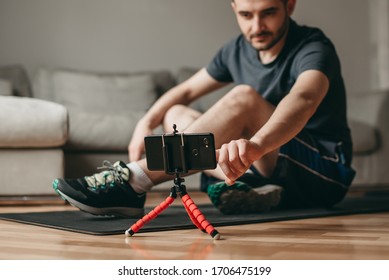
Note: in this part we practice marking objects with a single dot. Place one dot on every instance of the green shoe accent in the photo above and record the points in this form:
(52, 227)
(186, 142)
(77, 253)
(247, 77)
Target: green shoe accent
(240, 198)
(55, 187)
(216, 190)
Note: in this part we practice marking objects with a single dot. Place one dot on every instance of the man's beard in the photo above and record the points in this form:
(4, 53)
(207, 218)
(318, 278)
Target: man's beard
(279, 35)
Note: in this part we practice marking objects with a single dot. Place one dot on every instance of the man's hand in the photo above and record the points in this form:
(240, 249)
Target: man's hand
(137, 145)
(236, 157)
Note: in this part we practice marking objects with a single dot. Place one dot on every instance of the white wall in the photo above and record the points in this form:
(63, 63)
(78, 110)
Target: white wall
(117, 35)
(379, 43)
(346, 22)
(114, 34)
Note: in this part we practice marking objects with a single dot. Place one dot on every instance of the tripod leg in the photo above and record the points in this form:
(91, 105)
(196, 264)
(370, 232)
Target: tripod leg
(149, 216)
(192, 207)
(193, 219)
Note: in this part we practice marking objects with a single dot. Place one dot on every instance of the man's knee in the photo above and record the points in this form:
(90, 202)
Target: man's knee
(180, 115)
(242, 97)
(175, 111)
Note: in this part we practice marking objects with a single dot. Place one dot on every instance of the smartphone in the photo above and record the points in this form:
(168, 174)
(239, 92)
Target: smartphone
(180, 153)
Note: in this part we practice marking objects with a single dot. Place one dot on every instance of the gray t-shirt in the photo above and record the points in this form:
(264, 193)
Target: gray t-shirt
(306, 48)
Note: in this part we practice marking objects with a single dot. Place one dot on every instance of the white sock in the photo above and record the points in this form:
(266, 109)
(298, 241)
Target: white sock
(139, 180)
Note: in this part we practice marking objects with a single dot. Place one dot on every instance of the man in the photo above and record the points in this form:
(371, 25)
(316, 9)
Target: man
(282, 132)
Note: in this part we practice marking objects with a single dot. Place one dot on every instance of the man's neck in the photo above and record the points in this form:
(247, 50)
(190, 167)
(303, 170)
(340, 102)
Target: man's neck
(270, 55)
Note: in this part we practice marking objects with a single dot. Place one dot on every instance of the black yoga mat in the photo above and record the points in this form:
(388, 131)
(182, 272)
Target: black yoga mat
(175, 217)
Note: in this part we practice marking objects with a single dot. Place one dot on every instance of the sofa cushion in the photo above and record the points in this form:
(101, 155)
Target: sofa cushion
(365, 137)
(27, 122)
(104, 94)
(5, 88)
(205, 102)
(90, 131)
(44, 89)
(103, 107)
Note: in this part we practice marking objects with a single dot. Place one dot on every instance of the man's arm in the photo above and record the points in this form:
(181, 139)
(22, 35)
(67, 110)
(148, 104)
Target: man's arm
(198, 85)
(288, 119)
(294, 111)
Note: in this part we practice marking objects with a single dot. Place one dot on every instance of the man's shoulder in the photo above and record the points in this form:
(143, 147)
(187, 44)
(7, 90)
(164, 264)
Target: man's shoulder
(235, 43)
(308, 35)
(236, 47)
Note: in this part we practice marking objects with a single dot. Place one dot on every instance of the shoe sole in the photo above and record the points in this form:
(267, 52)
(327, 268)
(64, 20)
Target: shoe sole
(255, 200)
(123, 212)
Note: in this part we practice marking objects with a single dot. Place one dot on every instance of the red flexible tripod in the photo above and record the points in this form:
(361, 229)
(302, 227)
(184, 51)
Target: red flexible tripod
(194, 213)
(191, 208)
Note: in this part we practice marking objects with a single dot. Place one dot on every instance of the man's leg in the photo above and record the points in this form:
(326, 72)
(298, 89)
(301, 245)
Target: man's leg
(239, 114)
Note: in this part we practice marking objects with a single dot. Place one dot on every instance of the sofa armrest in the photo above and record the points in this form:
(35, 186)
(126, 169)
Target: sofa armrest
(32, 123)
(371, 109)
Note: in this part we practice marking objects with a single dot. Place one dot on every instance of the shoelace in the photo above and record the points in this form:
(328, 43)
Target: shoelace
(113, 173)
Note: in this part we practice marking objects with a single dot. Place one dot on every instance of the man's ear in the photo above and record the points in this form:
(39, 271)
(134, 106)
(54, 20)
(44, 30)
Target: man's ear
(233, 5)
(290, 5)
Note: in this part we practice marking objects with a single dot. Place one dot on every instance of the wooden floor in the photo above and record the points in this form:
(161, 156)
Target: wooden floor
(345, 237)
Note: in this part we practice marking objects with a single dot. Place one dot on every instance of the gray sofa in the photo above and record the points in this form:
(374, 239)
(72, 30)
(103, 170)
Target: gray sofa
(69, 121)
(369, 122)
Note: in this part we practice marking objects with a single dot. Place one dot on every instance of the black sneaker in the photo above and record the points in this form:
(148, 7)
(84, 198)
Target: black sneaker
(104, 193)
(240, 198)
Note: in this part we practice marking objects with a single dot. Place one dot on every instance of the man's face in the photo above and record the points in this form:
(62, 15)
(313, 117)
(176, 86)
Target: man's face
(263, 22)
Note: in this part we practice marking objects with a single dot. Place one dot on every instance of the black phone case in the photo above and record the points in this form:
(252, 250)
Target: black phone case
(196, 153)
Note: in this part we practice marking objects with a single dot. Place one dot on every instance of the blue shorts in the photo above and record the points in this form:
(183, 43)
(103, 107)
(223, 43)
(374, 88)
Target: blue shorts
(313, 173)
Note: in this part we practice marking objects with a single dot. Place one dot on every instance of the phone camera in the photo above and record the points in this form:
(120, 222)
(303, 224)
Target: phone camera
(195, 152)
(206, 142)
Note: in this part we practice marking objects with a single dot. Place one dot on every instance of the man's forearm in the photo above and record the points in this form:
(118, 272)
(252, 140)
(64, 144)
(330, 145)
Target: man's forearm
(293, 112)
